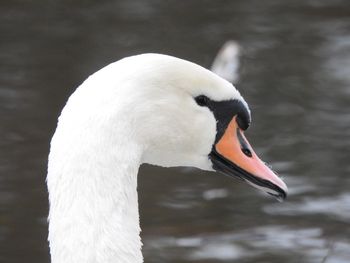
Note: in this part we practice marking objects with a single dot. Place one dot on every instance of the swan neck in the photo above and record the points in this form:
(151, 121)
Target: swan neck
(94, 213)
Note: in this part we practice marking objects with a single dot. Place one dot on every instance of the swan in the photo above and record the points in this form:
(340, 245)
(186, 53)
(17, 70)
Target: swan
(148, 108)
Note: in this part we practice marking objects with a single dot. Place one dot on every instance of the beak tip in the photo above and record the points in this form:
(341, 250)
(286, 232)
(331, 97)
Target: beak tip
(281, 195)
(284, 191)
(281, 189)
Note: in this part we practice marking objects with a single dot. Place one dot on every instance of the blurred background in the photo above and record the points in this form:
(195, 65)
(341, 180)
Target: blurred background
(295, 74)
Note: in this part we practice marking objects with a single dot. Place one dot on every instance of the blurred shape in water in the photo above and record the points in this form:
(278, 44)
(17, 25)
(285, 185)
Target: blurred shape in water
(337, 207)
(226, 62)
(254, 243)
(215, 194)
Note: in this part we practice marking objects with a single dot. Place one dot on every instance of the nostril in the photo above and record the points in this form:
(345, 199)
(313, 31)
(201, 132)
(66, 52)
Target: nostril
(247, 152)
(244, 145)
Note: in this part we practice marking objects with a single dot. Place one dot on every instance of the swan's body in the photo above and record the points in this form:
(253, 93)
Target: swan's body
(138, 110)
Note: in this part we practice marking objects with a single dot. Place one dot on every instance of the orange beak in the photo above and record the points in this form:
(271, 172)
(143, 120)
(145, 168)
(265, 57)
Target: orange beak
(234, 156)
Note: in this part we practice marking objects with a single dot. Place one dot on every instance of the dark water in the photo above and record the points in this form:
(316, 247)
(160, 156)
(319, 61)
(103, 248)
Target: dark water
(295, 75)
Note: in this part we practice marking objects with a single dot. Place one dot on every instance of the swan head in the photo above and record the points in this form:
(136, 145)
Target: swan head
(176, 113)
(185, 115)
(148, 108)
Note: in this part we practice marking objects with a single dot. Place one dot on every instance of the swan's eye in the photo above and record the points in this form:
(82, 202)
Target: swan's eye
(202, 100)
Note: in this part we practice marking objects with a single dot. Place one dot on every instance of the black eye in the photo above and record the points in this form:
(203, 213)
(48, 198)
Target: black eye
(202, 100)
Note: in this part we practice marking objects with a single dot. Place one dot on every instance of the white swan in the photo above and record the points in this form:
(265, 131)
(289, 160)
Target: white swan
(152, 109)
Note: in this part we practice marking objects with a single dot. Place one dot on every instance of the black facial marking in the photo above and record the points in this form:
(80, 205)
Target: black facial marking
(224, 111)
